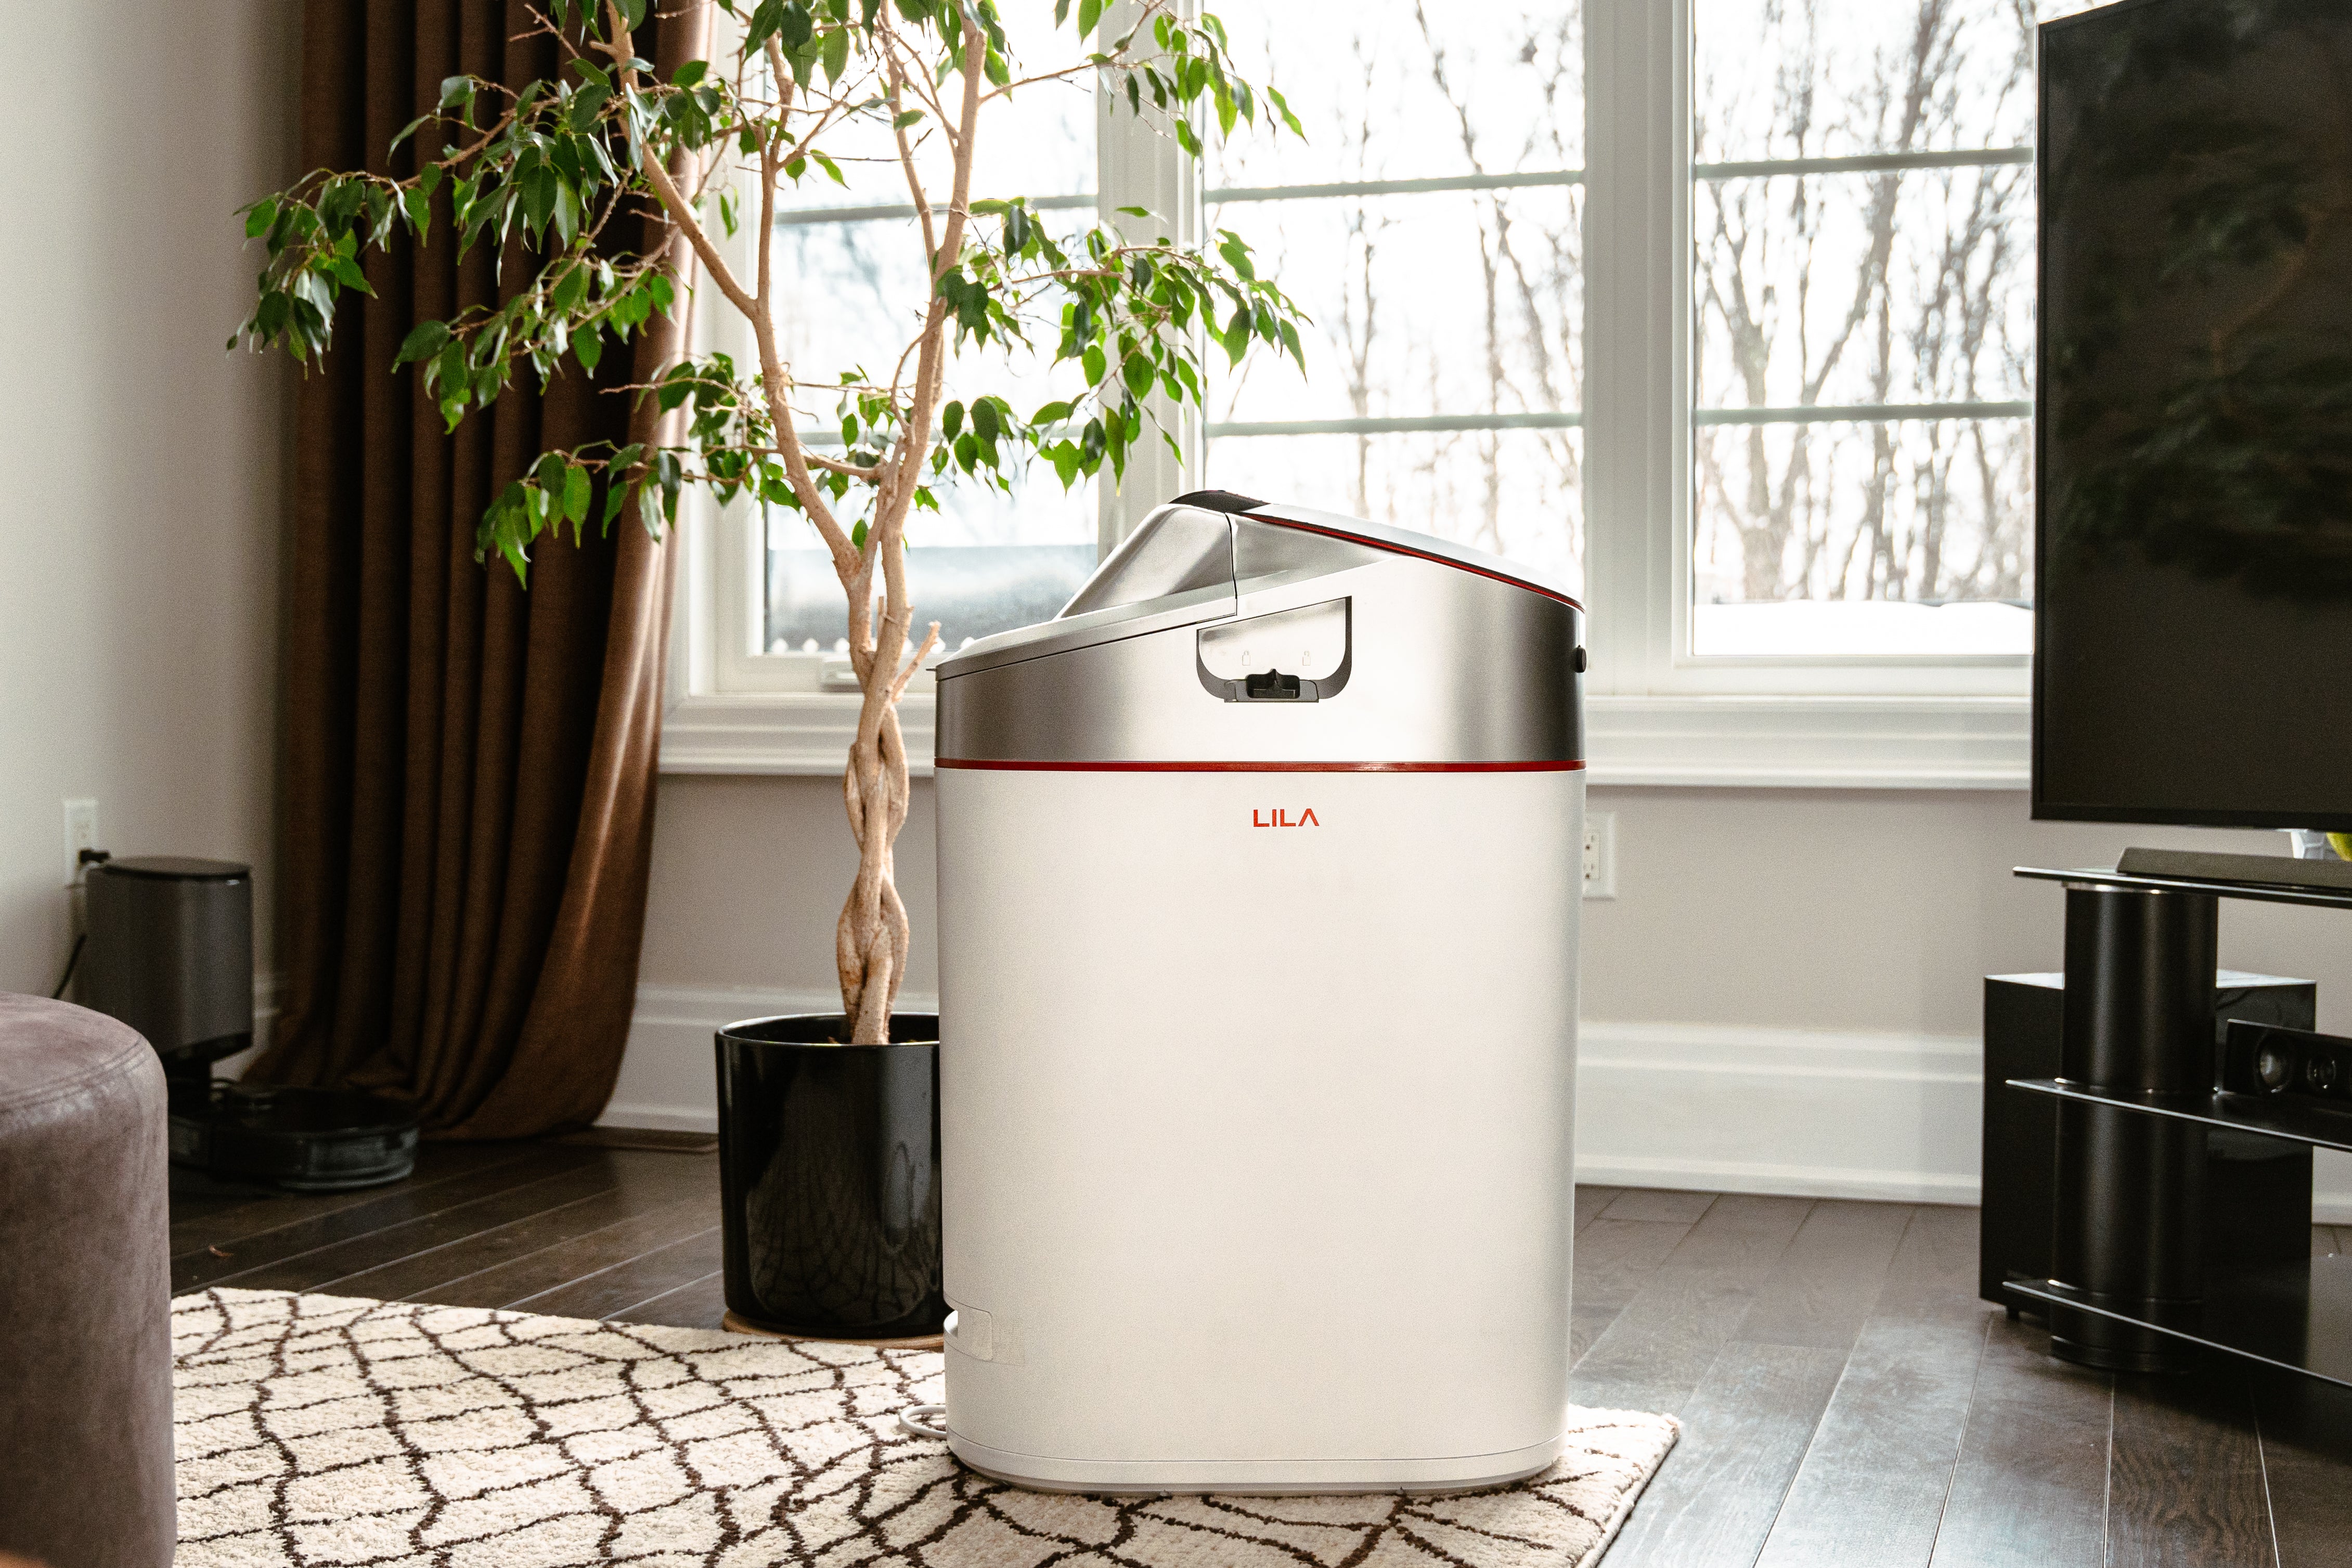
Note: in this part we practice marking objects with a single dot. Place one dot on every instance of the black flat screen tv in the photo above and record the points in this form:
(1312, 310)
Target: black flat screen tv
(2194, 527)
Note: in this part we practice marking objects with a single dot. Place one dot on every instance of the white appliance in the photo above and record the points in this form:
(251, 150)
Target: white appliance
(1259, 871)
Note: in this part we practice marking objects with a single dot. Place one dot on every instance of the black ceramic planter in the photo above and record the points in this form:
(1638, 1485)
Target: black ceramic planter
(829, 1161)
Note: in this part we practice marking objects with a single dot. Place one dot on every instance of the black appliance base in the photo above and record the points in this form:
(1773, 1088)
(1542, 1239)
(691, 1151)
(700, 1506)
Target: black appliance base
(306, 1140)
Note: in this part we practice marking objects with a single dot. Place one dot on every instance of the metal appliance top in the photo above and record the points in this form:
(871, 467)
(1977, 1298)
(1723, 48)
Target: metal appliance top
(1219, 637)
(1188, 562)
(1427, 547)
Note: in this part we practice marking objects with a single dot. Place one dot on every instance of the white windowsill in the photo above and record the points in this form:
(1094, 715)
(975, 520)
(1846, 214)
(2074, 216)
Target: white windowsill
(1721, 742)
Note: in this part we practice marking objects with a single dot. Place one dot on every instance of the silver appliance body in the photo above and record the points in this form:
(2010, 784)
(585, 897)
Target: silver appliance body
(1258, 889)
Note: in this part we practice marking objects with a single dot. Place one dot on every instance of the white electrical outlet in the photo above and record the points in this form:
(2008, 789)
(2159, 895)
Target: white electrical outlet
(1601, 854)
(81, 833)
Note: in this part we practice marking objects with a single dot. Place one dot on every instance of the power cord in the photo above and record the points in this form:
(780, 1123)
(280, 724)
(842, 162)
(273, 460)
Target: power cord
(71, 959)
(915, 1420)
(87, 857)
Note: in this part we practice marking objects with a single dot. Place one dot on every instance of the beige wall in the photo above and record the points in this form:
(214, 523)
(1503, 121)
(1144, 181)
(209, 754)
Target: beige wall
(139, 557)
(1784, 997)
(1774, 908)
(1881, 911)
(748, 877)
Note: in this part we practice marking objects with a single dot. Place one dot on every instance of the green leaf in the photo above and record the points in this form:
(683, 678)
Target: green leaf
(1090, 12)
(588, 346)
(836, 54)
(1137, 371)
(260, 216)
(690, 73)
(424, 340)
(951, 420)
(983, 420)
(589, 99)
(571, 289)
(1237, 336)
(898, 121)
(575, 495)
(764, 22)
(1095, 364)
(1051, 413)
(857, 535)
(1236, 256)
(1288, 119)
(456, 90)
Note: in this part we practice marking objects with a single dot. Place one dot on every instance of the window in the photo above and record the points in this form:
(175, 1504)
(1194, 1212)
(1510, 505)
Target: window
(1862, 326)
(1739, 338)
(1432, 224)
(850, 257)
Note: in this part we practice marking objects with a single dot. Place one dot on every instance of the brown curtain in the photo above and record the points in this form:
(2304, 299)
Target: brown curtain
(470, 768)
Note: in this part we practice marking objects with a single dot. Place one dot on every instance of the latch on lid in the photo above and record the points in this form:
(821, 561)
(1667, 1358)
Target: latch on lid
(1291, 655)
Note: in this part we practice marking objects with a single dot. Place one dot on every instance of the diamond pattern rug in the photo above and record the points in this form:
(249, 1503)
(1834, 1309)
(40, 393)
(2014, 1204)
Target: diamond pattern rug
(332, 1430)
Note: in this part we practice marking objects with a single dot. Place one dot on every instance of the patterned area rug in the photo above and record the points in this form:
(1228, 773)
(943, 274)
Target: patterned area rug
(325, 1430)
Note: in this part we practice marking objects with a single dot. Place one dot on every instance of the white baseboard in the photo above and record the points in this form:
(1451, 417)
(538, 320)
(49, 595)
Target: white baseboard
(1780, 1179)
(1700, 1107)
(669, 1076)
(1812, 1113)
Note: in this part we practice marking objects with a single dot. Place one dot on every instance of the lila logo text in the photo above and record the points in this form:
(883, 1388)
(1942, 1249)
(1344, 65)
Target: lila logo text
(1281, 818)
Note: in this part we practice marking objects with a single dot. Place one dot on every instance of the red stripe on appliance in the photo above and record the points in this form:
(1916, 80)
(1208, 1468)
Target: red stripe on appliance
(1024, 767)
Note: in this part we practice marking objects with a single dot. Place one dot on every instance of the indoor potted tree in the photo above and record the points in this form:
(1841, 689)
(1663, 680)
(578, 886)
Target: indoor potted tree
(540, 170)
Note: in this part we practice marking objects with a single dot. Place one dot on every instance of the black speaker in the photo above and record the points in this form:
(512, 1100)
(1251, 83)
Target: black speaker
(2288, 1063)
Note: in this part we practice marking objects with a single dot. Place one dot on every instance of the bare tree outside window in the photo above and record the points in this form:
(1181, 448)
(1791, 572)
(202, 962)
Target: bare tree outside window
(1447, 353)
(987, 559)
(1862, 329)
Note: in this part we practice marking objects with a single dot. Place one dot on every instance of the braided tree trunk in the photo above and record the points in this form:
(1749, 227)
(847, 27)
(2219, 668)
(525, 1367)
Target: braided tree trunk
(870, 938)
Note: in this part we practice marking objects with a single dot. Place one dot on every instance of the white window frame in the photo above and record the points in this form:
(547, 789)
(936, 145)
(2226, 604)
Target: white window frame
(1657, 714)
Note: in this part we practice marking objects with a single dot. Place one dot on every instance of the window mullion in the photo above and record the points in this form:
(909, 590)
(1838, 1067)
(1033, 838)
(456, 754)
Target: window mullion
(1637, 335)
(1138, 164)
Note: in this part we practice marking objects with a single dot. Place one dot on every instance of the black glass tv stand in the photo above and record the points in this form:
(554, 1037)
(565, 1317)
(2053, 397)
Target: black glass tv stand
(2137, 1282)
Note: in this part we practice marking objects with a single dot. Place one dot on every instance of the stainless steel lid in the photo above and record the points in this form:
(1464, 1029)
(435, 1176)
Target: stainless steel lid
(1226, 631)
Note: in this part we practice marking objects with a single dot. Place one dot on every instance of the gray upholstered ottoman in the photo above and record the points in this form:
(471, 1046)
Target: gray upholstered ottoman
(85, 1291)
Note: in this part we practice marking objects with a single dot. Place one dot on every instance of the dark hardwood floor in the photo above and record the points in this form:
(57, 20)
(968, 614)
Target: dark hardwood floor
(1845, 1399)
